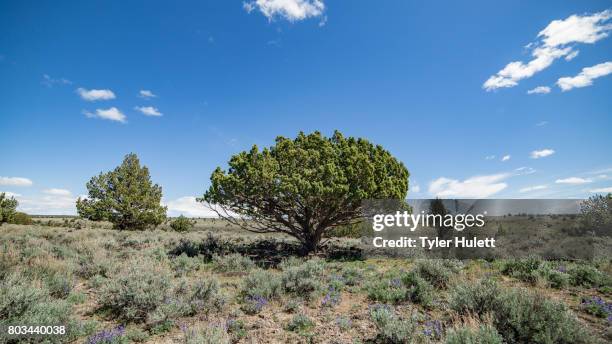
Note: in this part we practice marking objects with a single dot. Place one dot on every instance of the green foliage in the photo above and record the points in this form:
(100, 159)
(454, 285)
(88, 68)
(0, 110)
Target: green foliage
(303, 280)
(8, 208)
(21, 219)
(182, 224)
(234, 262)
(390, 328)
(135, 292)
(587, 276)
(519, 316)
(596, 214)
(523, 269)
(398, 287)
(125, 196)
(206, 335)
(306, 186)
(436, 272)
(467, 335)
(300, 323)
(475, 298)
(261, 283)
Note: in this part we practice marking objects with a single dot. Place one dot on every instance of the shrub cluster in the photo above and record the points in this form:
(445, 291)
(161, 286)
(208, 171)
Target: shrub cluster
(182, 224)
(233, 262)
(390, 328)
(480, 335)
(519, 315)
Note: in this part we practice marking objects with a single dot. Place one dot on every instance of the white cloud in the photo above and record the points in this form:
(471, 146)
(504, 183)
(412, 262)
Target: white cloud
(573, 181)
(48, 205)
(601, 190)
(489, 157)
(552, 45)
(9, 194)
(291, 10)
(537, 154)
(539, 90)
(505, 158)
(15, 181)
(57, 192)
(190, 207)
(541, 124)
(586, 76)
(533, 188)
(474, 187)
(146, 94)
(112, 114)
(50, 82)
(572, 55)
(149, 111)
(93, 95)
(416, 188)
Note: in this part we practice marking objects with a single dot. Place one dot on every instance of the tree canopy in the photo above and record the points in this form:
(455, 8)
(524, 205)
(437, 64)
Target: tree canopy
(8, 208)
(305, 186)
(125, 196)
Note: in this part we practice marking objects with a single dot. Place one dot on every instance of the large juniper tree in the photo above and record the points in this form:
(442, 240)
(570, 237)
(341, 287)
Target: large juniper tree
(125, 196)
(306, 186)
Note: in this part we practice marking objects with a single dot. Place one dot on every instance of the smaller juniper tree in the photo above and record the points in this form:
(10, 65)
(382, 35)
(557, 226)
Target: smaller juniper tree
(125, 196)
(8, 208)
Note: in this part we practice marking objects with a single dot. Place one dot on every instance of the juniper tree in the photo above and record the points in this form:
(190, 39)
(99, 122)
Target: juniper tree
(125, 196)
(8, 208)
(306, 186)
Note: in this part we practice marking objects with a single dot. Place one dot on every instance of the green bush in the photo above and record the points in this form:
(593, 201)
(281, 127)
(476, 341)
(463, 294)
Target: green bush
(480, 335)
(20, 218)
(525, 270)
(390, 328)
(300, 323)
(182, 224)
(398, 287)
(475, 298)
(524, 317)
(234, 262)
(262, 283)
(136, 292)
(7, 208)
(206, 335)
(584, 275)
(435, 272)
(303, 280)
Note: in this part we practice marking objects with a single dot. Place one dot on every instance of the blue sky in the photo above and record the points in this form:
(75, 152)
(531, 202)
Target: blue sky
(433, 82)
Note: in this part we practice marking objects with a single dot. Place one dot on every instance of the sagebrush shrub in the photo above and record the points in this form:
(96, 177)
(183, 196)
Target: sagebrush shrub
(234, 262)
(300, 323)
(475, 298)
(523, 269)
(390, 328)
(303, 280)
(261, 283)
(418, 289)
(136, 291)
(468, 335)
(586, 276)
(396, 287)
(216, 334)
(435, 272)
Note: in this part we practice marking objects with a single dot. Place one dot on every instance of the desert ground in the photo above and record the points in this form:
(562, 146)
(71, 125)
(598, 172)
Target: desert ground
(220, 284)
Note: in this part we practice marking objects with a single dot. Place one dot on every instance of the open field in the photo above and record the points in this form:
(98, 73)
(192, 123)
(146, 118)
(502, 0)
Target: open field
(159, 286)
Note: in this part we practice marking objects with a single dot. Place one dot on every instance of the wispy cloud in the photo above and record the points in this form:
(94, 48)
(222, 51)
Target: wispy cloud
(57, 192)
(146, 94)
(573, 181)
(474, 187)
(537, 154)
(533, 188)
(602, 190)
(15, 181)
(111, 114)
(188, 206)
(539, 90)
(148, 111)
(291, 10)
(552, 44)
(541, 123)
(94, 95)
(489, 157)
(50, 82)
(586, 77)
(505, 158)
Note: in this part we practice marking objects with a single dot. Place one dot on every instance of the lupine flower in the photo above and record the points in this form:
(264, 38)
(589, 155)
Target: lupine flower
(107, 336)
